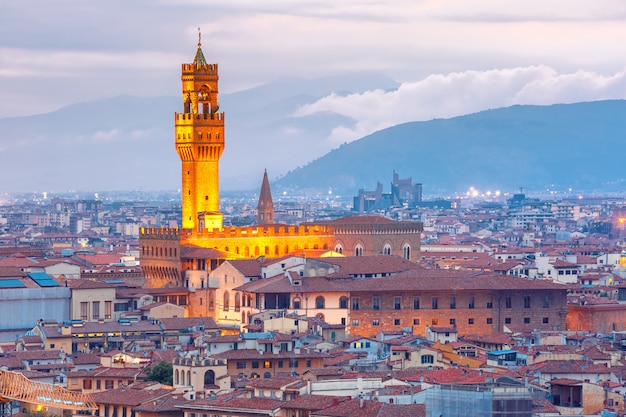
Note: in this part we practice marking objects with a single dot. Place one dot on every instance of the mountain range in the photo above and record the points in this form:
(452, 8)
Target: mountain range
(540, 148)
(127, 143)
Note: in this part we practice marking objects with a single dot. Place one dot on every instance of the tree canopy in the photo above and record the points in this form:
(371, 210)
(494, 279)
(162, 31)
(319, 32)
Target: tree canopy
(163, 372)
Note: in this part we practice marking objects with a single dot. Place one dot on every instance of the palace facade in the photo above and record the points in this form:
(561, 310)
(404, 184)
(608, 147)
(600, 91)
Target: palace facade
(185, 256)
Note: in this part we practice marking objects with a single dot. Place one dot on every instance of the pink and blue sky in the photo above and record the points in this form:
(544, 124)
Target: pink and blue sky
(452, 57)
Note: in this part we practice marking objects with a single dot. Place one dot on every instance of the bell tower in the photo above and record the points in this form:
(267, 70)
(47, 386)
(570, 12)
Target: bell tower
(199, 132)
(265, 207)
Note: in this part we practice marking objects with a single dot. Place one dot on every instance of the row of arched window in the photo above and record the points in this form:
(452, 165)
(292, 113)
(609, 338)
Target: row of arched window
(359, 250)
(184, 377)
(247, 300)
(158, 251)
(320, 302)
(256, 251)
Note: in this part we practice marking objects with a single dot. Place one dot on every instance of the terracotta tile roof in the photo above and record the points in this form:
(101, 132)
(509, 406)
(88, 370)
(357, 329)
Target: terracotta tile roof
(112, 327)
(6, 347)
(411, 374)
(359, 265)
(399, 390)
(127, 396)
(544, 407)
(38, 355)
(354, 338)
(341, 359)
(14, 273)
(193, 252)
(167, 355)
(565, 381)
(326, 371)
(51, 367)
(247, 267)
(559, 263)
(313, 402)
(412, 280)
(438, 329)
(365, 408)
(569, 366)
(403, 340)
(458, 376)
(229, 338)
(87, 284)
(32, 339)
(17, 262)
(234, 402)
(139, 291)
(367, 219)
(507, 265)
(149, 307)
(495, 338)
(581, 259)
(519, 329)
(594, 353)
(178, 323)
(11, 362)
(273, 383)
(165, 404)
(99, 259)
(255, 354)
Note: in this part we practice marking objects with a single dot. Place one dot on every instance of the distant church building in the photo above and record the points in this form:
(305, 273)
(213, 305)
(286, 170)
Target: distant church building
(185, 256)
(265, 208)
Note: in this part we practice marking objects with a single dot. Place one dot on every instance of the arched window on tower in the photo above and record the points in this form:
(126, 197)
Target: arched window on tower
(237, 302)
(387, 249)
(406, 251)
(343, 302)
(319, 302)
(358, 250)
(338, 249)
(226, 301)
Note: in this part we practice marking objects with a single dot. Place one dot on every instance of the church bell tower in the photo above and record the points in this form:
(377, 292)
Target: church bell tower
(199, 132)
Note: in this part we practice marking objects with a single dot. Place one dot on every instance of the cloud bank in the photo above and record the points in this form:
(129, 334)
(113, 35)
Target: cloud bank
(459, 93)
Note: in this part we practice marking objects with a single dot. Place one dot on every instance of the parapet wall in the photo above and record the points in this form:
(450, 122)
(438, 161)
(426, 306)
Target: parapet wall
(209, 69)
(194, 118)
(159, 233)
(258, 231)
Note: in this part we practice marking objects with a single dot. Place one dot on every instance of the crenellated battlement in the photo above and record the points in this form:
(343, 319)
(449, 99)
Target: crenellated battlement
(159, 233)
(209, 69)
(259, 232)
(399, 228)
(199, 118)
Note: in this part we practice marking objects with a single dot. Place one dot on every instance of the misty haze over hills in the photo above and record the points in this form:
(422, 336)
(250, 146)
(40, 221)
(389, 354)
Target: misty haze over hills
(578, 146)
(126, 143)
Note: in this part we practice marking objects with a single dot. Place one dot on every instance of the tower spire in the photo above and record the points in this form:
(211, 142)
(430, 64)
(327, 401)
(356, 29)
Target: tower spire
(199, 60)
(265, 208)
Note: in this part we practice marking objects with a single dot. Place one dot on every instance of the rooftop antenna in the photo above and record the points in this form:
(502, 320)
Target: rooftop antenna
(199, 37)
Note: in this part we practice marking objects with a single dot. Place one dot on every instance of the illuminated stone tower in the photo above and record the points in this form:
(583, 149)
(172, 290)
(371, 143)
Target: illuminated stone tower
(265, 208)
(199, 131)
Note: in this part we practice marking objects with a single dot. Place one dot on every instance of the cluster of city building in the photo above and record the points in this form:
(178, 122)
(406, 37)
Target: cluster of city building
(511, 307)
